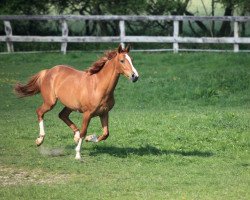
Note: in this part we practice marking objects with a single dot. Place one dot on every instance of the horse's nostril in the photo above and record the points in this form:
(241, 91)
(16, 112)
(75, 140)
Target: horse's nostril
(134, 78)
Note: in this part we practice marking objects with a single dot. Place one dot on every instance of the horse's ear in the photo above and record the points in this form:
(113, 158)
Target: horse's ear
(127, 48)
(120, 48)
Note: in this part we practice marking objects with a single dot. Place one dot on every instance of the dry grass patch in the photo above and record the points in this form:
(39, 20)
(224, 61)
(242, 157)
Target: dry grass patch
(10, 176)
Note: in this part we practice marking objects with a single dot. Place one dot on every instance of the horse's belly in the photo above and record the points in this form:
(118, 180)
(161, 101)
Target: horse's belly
(72, 103)
(68, 97)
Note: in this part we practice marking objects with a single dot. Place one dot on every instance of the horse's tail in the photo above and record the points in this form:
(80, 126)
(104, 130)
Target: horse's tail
(32, 87)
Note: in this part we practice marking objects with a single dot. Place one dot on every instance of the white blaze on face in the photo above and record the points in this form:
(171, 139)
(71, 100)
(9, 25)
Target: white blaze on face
(130, 62)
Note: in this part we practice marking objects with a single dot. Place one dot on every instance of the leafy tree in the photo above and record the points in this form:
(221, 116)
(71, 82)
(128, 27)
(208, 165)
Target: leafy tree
(117, 7)
(230, 6)
(100, 7)
(24, 7)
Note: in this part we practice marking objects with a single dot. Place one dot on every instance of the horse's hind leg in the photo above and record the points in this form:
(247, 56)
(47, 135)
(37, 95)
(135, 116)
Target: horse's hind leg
(64, 115)
(85, 123)
(45, 107)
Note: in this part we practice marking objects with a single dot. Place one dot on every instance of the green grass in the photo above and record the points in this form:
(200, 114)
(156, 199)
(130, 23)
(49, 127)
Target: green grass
(181, 132)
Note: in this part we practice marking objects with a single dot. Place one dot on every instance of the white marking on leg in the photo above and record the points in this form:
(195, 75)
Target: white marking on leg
(78, 149)
(77, 137)
(40, 139)
(130, 62)
(41, 126)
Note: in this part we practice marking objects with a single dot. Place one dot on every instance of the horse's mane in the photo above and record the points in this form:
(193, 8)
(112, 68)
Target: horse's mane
(98, 65)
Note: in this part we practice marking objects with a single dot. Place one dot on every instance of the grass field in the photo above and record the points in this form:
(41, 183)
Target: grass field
(181, 132)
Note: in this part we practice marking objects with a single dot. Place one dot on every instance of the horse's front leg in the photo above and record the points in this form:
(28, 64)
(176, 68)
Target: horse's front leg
(104, 136)
(105, 126)
(85, 123)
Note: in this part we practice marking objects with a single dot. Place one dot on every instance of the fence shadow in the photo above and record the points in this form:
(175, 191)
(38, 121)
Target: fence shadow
(144, 150)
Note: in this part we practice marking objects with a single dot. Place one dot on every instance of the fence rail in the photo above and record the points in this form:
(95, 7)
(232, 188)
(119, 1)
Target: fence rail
(176, 39)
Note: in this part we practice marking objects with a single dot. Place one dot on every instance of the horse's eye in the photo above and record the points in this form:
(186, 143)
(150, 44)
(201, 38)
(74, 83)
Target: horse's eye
(122, 61)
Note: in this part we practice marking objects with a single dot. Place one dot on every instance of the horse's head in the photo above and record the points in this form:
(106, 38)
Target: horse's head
(125, 65)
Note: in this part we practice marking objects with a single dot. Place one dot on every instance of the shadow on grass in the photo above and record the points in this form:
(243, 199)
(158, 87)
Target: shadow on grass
(145, 150)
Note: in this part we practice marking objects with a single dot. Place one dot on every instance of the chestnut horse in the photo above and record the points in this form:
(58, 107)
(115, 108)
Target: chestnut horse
(90, 92)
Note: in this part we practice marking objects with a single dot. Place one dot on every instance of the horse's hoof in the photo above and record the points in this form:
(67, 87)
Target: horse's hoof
(91, 138)
(78, 157)
(39, 141)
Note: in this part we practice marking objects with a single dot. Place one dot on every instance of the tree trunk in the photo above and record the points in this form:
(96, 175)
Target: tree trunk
(213, 7)
(225, 29)
(199, 23)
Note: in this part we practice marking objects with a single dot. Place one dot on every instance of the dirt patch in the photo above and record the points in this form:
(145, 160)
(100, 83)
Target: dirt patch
(13, 176)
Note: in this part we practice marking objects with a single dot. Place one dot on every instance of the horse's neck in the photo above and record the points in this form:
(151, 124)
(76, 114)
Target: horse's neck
(108, 77)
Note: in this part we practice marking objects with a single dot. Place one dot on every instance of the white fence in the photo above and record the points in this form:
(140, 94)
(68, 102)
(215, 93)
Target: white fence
(175, 39)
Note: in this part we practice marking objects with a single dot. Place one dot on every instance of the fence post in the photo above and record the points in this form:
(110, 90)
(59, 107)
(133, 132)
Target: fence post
(236, 36)
(8, 31)
(176, 35)
(65, 32)
(122, 32)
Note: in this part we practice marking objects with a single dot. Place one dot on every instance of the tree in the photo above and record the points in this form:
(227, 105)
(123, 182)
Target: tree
(230, 6)
(24, 7)
(100, 7)
(125, 7)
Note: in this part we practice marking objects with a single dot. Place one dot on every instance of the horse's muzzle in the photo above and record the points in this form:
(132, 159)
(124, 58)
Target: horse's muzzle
(134, 77)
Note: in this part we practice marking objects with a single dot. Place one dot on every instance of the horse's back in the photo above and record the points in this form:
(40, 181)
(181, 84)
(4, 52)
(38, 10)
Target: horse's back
(64, 70)
(60, 74)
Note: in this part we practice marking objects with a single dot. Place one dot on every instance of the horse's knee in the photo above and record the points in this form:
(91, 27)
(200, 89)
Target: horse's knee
(61, 115)
(64, 114)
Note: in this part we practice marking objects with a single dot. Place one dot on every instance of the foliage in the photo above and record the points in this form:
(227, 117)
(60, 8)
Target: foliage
(180, 132)
(99, 7)
(24, 7)
(244, 5)
(116, 7)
